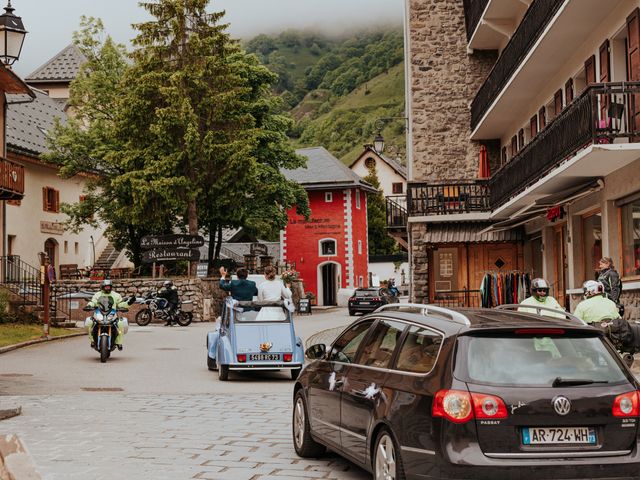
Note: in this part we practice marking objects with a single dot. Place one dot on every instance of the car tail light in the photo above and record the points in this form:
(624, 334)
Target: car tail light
(454, 405)
(488, 406)
(375, 299)
(460, 407)
(627, 405)
(288, 357)
(242, 357)
(539, 331)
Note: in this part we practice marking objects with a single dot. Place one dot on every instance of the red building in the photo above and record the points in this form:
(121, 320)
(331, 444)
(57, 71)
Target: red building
(330, 249)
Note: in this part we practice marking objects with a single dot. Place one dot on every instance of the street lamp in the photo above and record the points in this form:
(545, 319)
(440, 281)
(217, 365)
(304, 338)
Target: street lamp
(12, 35)
(378, 141)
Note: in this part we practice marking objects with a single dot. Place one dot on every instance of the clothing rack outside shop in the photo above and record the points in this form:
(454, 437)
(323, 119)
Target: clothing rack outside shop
(500, 287)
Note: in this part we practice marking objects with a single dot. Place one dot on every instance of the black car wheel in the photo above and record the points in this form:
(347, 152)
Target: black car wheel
(351, 313)
(303, 443)
(387, 463)
(295, 372)
(223, 372)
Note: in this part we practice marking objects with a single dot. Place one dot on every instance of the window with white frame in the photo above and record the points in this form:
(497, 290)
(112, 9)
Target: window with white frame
(328, 197)
(359, 247)
(357, 198)
(328, 247)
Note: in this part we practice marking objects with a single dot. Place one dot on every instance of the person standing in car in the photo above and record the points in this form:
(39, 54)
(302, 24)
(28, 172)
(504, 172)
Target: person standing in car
(241, 289)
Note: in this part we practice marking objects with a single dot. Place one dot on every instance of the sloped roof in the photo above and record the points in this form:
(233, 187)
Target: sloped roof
(469, 233)
(323, 170)
(29, 123)
(394, 164)
(63, 67)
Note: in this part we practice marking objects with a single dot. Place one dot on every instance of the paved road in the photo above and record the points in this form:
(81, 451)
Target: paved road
(154, 411)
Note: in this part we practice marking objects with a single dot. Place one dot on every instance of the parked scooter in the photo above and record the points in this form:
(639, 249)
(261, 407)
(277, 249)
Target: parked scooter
(159, 308)
(104, 330)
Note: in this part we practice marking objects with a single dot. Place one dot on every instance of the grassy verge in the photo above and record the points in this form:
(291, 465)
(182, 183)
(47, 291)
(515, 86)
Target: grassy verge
(12, 333)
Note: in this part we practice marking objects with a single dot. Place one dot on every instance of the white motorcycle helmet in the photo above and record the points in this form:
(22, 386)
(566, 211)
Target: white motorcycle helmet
(591, 288)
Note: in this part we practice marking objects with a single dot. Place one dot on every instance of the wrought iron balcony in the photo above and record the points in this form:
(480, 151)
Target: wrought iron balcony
(531, 27)
(447, 198)
(11, 180)
(396, 207)
(603, 114)
(473, 10)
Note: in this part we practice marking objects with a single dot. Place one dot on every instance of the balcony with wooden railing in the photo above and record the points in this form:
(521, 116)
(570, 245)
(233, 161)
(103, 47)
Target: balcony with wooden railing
(447, 197)
(11, 180)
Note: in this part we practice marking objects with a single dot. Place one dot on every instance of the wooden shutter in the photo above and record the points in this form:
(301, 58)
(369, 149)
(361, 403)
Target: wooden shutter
(504, 155)
(590, 70)
(557, 102)
(542, 115)
(633, 66)
(568, 91)
(533, 126)
(514, 145)
(57, 201)
(605, 76)
(44, 199)
(521, 139)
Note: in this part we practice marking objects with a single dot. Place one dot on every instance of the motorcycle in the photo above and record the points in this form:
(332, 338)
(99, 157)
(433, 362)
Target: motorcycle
(159, 308)
(624, 335)
(104, 326)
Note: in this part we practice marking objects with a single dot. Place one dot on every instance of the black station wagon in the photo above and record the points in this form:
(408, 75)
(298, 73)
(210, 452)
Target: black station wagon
(417, 391)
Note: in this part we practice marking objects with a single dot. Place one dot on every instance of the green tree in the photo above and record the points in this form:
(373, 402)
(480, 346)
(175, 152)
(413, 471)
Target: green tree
(379, 242)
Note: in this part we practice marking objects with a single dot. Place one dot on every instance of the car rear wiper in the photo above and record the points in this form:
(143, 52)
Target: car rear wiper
(565, 382)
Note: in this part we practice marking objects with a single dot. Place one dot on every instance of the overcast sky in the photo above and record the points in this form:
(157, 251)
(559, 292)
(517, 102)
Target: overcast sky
(50, 23)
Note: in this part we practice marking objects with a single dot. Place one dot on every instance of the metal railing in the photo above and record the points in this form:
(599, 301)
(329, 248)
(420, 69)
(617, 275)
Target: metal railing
(473, 10)
(396, 208)
(458, 298)
(531, 27)
(604, 113)
(446, 198)
(11, 180)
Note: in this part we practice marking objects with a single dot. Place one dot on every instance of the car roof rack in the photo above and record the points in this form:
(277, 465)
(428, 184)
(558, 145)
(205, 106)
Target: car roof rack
(429, 309)
(517, 306)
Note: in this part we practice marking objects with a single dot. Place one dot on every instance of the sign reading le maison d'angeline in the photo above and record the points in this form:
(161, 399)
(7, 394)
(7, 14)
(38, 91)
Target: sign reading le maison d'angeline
(171, 241)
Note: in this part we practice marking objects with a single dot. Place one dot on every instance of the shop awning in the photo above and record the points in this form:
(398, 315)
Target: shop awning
(469, 232)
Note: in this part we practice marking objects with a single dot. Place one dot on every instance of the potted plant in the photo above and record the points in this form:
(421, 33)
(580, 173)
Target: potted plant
(96, 275)
(311, 297)
(289, 276)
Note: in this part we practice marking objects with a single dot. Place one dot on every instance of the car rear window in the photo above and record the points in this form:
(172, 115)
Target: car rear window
(527, 360)
(367, 293)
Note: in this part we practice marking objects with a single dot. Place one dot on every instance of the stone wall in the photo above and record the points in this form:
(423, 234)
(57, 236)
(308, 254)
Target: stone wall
(444, 81)
(206, 295)
(419, 263)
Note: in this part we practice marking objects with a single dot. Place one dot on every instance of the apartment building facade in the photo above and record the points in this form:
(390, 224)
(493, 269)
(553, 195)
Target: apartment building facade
(547, 92)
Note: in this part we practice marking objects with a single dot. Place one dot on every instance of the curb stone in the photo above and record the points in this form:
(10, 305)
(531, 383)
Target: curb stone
(9, 348)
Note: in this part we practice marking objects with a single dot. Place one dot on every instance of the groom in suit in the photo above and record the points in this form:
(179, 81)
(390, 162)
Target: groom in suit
(241, 289)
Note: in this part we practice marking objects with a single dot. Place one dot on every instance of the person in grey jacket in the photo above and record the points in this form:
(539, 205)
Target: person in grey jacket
(610, 278)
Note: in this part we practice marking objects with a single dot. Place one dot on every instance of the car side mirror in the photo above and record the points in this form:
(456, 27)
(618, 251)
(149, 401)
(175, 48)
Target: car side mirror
(316, 351)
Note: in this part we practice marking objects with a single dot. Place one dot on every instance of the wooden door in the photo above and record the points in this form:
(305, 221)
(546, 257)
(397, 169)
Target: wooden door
(542, 115)
(568, 91)
(590, 70)
(633, 66)
(533, 126)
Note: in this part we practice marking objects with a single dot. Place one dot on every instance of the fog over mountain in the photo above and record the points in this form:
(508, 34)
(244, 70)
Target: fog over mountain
(51, 23)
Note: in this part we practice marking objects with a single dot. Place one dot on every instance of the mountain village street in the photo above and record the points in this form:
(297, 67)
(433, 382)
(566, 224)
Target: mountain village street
(155, 411)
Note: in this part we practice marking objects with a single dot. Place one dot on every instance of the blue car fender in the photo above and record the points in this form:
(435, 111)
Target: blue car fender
(212, 343)
(224, 354)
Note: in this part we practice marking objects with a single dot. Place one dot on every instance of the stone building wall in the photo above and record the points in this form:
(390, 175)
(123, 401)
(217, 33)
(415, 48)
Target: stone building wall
(206, 294)
(444, 81)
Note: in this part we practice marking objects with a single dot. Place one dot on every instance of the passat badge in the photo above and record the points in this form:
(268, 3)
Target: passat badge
(266, 346)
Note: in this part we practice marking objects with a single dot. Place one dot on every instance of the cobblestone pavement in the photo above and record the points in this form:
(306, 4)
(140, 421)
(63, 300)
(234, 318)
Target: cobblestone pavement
(122, 436)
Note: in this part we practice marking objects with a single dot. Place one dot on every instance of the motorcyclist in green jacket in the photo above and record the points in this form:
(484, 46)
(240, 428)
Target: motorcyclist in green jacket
(540, 298)
(595, 307)
(106, 290)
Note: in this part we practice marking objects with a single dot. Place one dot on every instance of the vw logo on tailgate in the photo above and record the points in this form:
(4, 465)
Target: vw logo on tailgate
(562, 405)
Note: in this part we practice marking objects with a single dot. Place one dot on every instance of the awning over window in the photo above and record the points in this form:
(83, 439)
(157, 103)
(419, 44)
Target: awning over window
(469, 232)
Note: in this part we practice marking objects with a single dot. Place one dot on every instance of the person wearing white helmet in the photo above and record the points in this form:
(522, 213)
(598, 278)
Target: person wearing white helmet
(596, 307)
(540, 298)
(106, 290)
